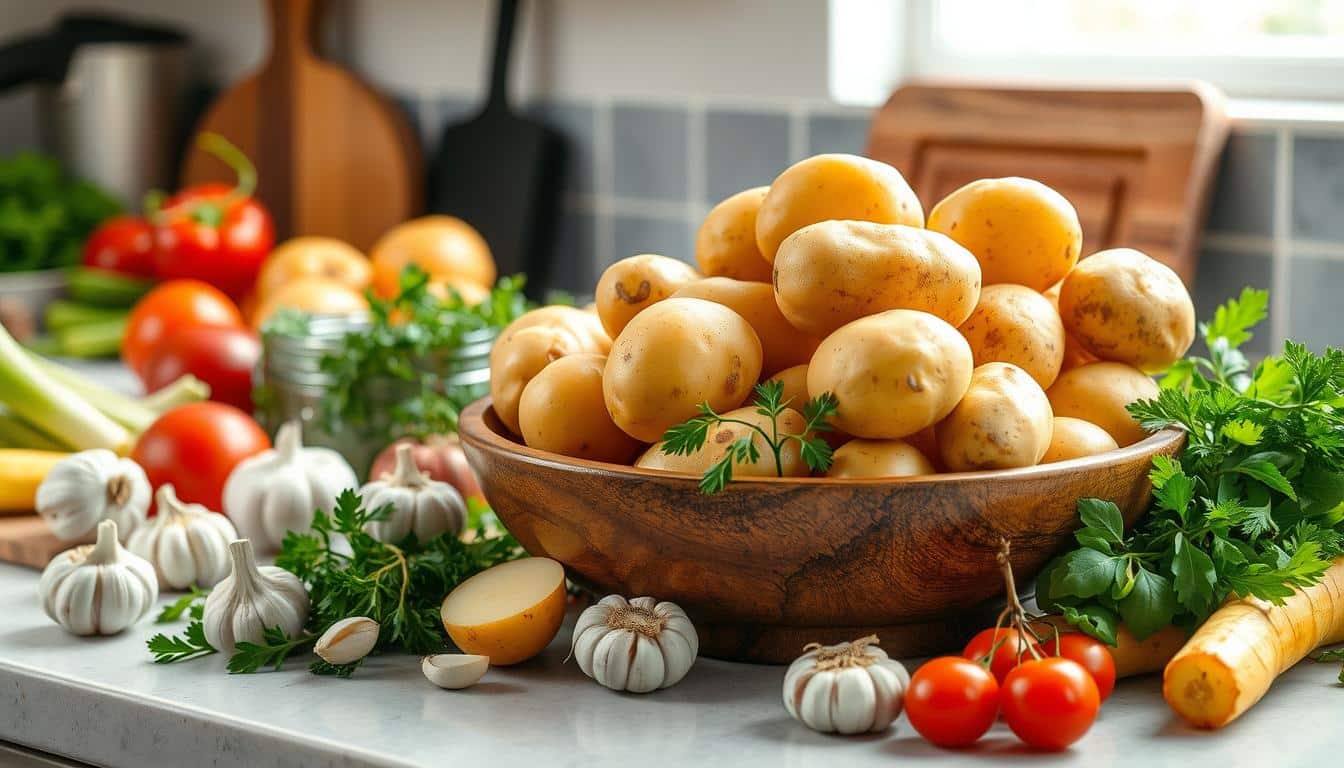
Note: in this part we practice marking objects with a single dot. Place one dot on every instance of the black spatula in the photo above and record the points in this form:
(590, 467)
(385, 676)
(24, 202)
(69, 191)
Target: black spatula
(502, 173)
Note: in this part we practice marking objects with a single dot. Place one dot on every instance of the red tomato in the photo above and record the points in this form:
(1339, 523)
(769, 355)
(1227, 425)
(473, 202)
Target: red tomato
(221, 357)
(196, 446)
(952, 701)
(1012, 648)
(1091, 653)
(1050, 703)
(171, 308)
(210, 233)
(122, 244)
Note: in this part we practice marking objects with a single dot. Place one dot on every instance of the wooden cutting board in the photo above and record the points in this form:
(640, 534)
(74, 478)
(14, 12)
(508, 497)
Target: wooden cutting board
(26, 540)
(333, 156)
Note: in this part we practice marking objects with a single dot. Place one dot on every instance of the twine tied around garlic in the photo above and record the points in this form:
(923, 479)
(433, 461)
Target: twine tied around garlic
(845, 655)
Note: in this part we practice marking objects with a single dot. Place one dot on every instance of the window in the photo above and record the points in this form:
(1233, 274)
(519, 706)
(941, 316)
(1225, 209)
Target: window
(1274, 49)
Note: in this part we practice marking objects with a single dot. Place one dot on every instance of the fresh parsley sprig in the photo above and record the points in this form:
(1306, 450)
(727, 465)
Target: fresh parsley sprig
(190, 604)
(271, 652)
(191, 644)
(690, 436)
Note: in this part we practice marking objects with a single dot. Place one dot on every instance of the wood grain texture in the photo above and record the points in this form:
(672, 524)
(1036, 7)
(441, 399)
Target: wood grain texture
(1137, 164)
(26, 540)
(769, 564)
(334, 157)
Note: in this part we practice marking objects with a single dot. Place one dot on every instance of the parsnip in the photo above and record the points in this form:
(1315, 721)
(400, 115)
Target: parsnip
(1233, 658)
(1133, 656)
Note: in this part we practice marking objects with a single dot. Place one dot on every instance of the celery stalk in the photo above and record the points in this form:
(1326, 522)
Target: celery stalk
(17, 433)
(49, 405)
(182, 390)
(123, 409)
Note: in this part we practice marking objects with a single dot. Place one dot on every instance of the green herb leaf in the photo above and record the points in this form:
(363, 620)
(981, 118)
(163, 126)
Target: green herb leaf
(1268, 474)
(271, 652)
(1234, 320)
(1096, 621)
(1150, 606)
(191, 644)
(181, 606)
(1103, 519)
(1194, 576)
(1089, 572)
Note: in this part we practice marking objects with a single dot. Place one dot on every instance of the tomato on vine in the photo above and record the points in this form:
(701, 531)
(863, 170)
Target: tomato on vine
(1050, 702)
(1004, 646)
(952, 701)
(1090, 653)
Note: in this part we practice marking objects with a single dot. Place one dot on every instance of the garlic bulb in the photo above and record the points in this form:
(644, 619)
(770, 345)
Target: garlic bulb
(186, 543)
(91, 486)
(639, 646)
(348, 640)
(277, 490)
(99, 588)
(251, 600)
(420, 505)
(847, 688)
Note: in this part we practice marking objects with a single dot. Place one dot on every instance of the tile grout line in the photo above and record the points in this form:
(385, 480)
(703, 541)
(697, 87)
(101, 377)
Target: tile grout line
(1320, 249)
(605, 182)
(1280, 300)
(1239, 243)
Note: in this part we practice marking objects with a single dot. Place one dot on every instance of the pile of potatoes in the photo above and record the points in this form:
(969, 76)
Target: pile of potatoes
(974, 339)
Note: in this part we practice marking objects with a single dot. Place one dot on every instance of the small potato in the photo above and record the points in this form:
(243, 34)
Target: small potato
(673, 356)
(893, 373)
(782, 345)
(515, 360)
(879, 458)
(581, 322)
(723, 435)
(1099, 392)
(1004, 421)
(1021, 230)
(827, 187)
(725, 246)
(795, 394)
(1125, 306)
(1075, 438)
(1014, 324)
(562, 410)
(630, 285)
(834, 272)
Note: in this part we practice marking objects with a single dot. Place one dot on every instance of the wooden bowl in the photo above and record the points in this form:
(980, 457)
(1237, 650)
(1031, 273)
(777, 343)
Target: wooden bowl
(770, 564)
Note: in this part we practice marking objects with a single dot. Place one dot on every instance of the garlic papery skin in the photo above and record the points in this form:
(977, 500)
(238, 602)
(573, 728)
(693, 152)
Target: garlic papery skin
(348, 640)
(186, 543)
(277, 490)
(251, 600)
(846, 688)
(99, 588)
(418, 504)
(90, 486)
(454, 671)
(639, 645)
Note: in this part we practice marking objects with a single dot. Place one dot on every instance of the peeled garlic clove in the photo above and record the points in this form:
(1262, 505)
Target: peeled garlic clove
(454, 671)
(348, 640)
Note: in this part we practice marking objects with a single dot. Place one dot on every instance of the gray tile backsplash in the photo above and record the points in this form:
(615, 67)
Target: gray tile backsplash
(1316, 287)
(576, 267)
(837, 133)
(1243, 195)
(742, 150)
(649, 148)
(1318, 188)
(1224, 273)
(578, 123)
(641, 234)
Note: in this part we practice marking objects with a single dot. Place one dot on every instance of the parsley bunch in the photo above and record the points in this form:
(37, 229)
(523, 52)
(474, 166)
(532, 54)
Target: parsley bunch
(1253, 507)
(689, 437)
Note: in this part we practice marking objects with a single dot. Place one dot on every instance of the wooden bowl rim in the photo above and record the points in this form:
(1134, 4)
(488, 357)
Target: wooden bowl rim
(474, 429)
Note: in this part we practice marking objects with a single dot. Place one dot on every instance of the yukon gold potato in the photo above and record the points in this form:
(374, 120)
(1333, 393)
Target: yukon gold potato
(1124, 306)
(782, 345)
(509, 612)
(1021, 230)
(893, 373)
(1004, 421)
(826, 187)
(1014, 324)
(673, 356)
(581, 322)
(795, 385)
(1074, 438)
(879, 458)
(726, 246)
(723, 435)
(562, 410)
(522, 355)
(834, 272)
(1074, 353)
(1099, 392)
(630, 285)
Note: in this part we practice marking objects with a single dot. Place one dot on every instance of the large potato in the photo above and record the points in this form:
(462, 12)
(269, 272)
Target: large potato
(782, 345)
(632, 284)
(1004, 421)
(893, 373)
(827, 187)
(834, 272)
(562, 410)
(1075, 438)
(1099, 392)
(1014, 324)
(522, 355)
(879, 458)
(673, 356)
(1124, 306)
(726, 246)
(581, 322)
(723, 435)
(1021, 230)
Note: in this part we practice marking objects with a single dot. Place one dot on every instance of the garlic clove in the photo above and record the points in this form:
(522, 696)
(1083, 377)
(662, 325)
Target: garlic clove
(647, 668)
(348, 640)
(612, 658)
(888, 684)
(454, 671)
(852, 706)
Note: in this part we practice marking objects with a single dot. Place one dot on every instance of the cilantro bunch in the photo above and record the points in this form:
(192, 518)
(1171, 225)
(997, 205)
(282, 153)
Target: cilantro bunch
(1254, 506)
